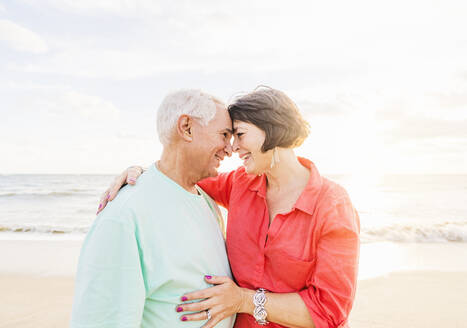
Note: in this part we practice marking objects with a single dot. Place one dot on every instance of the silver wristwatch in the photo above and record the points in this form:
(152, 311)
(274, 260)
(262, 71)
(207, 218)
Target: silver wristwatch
(260, 314)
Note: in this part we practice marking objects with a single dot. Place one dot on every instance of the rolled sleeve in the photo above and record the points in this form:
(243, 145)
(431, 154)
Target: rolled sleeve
(332, 284)
(109, 289)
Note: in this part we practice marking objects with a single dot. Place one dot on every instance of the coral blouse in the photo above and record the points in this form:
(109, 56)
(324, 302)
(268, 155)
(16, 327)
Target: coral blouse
(313, 249)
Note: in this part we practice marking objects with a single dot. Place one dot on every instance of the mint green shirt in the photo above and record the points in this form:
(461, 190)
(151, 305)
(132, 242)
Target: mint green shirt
(152, 244)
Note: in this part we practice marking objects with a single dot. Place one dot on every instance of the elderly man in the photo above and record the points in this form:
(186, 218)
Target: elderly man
(158, 238)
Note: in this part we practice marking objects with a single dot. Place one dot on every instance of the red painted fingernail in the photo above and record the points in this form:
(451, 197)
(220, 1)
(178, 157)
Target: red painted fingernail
(108, 196)
(132, 180)
(208, 277)
(179, 309)
(100, 205)
(184, 319)
(184, 298)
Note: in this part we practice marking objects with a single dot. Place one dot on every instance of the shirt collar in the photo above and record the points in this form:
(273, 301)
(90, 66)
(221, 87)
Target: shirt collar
(259, 185)
(308, 198)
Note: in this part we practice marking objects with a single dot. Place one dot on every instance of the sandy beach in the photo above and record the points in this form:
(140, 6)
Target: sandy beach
(411, 299)
(30, 301)
(36, 283)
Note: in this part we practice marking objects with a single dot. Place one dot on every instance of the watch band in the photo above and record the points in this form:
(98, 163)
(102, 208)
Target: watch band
(259, 300)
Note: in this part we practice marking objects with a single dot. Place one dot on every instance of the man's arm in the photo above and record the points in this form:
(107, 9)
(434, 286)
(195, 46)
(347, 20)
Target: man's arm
(109, 289)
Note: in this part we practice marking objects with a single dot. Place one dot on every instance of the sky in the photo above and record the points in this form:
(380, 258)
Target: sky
(382, 83)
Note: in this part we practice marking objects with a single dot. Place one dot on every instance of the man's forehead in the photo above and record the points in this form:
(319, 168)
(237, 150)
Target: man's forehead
(221, 120)
(223, 114)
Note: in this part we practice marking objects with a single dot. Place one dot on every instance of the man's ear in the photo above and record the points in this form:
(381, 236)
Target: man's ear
(185, 127)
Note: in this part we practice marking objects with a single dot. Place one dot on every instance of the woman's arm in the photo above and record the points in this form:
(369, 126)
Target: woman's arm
(287, 309)
(129, 176)
(218, 187)
(226, 299)
(331, 287)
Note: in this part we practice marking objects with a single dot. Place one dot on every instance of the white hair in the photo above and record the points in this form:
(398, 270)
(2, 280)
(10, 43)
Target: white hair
(190, 102)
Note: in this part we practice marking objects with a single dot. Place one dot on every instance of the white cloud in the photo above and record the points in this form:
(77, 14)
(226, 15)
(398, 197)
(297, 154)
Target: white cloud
(390, 116)
(115, 7)
(367, 73)
(66, 107)
(58, 129)
(21, 38)
(53, 110)
(2, 8)
(87, 106)
(245, 36)
(97, 63)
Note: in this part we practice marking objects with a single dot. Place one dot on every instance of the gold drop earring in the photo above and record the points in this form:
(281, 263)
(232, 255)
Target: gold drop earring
(275, 157)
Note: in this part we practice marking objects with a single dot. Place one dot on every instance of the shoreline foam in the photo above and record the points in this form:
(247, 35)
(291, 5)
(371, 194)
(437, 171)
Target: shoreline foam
(446, 232)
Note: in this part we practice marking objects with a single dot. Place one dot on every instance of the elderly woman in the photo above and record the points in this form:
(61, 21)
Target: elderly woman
(292, 235)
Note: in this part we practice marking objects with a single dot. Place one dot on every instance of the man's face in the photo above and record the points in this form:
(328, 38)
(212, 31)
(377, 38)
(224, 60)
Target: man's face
(212, 142)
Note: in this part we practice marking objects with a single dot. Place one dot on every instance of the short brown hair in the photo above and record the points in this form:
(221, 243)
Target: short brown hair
(273, 112)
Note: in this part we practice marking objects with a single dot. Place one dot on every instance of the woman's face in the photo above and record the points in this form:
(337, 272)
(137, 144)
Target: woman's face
(248, 139)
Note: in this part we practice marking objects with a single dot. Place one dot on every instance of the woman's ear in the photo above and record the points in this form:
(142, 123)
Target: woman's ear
(185, 127)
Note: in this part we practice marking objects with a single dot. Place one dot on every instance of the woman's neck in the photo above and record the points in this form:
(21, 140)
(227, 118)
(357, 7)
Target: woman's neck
(286, 172)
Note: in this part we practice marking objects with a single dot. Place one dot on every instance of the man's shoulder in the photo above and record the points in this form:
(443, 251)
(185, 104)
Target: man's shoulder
(151, 191)
(130, 197)
(147, 185)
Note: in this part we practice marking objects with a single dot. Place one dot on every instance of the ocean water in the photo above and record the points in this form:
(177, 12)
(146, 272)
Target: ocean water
(397, 208)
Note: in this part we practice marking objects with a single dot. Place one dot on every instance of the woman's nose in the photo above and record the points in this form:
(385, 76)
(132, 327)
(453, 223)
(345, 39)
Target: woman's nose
(235, 146)
(228, 149)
